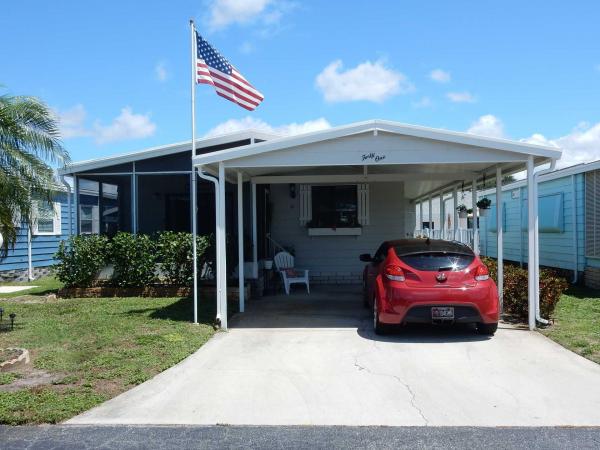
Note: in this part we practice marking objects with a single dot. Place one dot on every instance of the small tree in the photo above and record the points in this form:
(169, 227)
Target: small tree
(29, 140)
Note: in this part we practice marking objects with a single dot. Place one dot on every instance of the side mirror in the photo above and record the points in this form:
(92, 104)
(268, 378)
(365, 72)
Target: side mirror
(365, 257)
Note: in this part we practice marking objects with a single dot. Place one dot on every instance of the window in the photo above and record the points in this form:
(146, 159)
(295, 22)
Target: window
(163, 203)
(46, 218)
(105, 204)
(334, 207)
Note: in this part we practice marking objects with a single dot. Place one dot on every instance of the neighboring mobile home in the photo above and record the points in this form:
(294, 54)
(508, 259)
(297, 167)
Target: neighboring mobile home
(569, 222)
(33, 253)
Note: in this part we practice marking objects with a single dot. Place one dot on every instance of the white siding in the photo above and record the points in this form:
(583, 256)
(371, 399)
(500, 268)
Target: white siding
(335, 258)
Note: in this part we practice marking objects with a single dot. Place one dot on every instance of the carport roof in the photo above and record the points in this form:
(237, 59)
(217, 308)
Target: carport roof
(541, 153)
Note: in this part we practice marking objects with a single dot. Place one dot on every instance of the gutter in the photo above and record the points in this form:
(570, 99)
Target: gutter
(536, 255)
(575, 236)
(215, 181)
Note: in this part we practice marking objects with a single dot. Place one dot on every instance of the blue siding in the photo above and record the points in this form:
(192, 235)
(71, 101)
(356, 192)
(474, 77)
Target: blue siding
(556, 218)
(43, 248)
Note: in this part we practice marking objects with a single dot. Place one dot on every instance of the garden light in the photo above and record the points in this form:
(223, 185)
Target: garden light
(12, 320)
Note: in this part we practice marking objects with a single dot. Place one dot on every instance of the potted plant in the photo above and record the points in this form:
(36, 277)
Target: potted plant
(462, 211)
(484, 206)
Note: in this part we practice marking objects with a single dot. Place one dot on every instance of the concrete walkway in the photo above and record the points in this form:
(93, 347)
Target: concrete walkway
(314, 361)
(11, 289)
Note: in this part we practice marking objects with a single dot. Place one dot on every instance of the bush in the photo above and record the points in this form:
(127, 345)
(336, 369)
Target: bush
(515, 289)
(175, 254)
(80, 259)
(134, 258)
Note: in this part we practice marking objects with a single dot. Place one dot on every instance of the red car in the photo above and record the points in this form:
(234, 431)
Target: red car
(429, 281)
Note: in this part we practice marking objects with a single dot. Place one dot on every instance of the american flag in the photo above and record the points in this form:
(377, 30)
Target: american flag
(212, 68)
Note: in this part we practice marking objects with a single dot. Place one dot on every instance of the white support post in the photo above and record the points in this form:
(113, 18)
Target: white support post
(475, 217)
(455, 214)
(500, 237)
(254, 235)
(429, 214)
(442, 213)
(531, 262)
(222, 260)
(240, 215)
(420, 224)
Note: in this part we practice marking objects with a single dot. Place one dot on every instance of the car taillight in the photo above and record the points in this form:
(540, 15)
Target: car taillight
(394, 273)
(482, 273)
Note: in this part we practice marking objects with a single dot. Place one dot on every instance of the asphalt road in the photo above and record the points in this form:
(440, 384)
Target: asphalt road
(184, 437)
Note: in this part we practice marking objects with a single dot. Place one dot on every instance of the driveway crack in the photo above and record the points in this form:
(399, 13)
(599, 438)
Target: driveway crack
(413, 396)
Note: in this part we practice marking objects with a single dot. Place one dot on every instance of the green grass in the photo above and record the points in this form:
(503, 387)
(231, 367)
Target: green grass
(98, 348)
(577, 323)
(44, 285)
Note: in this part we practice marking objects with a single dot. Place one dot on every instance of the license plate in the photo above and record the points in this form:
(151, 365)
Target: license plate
(442, 312)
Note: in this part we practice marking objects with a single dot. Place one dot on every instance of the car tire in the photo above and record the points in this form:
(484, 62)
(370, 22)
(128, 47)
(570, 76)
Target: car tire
(487, 329)
(379, 328)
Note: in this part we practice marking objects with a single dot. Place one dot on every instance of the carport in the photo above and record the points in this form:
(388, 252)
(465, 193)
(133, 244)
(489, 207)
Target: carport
(414, 164)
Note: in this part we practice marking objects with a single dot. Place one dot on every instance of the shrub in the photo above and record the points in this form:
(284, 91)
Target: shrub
(175, 254)
(134, 258)
(80, 259)
(515, 288)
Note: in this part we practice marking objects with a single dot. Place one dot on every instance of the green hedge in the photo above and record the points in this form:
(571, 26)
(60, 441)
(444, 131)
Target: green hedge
(175, 254)
(138, 259)
(552, 287)
(134, 258)
(80, 259)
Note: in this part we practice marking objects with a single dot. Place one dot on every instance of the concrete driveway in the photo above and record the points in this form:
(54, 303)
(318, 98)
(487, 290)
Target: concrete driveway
(302, 360)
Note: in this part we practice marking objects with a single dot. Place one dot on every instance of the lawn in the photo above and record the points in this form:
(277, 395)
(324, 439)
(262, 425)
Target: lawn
(577, 323)
(43, 285)
(94, 349)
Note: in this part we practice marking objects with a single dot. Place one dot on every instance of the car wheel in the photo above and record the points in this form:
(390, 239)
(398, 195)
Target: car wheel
(378, 327)
(487, 329)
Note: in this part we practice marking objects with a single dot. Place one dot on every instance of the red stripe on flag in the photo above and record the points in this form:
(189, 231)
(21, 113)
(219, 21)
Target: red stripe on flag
(252, 96)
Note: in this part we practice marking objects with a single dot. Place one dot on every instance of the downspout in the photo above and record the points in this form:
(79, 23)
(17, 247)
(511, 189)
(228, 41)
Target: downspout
(536, 266)
(575, 237)
(68, 186)
(215, 181)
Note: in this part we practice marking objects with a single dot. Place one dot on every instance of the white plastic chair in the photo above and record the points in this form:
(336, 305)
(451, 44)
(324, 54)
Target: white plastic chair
(284, 262)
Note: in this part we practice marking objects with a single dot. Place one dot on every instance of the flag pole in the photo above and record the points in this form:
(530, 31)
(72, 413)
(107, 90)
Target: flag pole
(193, 181)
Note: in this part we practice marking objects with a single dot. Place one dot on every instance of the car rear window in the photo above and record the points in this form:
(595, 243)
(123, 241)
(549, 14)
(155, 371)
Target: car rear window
(435, 261)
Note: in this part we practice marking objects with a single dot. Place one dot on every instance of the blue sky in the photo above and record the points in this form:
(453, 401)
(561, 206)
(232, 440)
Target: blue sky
(118, 74)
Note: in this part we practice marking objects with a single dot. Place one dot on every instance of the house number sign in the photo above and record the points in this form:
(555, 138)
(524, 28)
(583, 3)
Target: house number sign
(372, 157)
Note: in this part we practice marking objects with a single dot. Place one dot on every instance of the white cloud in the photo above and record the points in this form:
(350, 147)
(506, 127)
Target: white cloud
(248, 122)
(461, 97)
(267, 13)
(439, 75)
(582, 145)
(71, 122)
(367, 81)
(160, 70)
(488, 125)
(125, 126)
(424, 102)
(247, 47)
